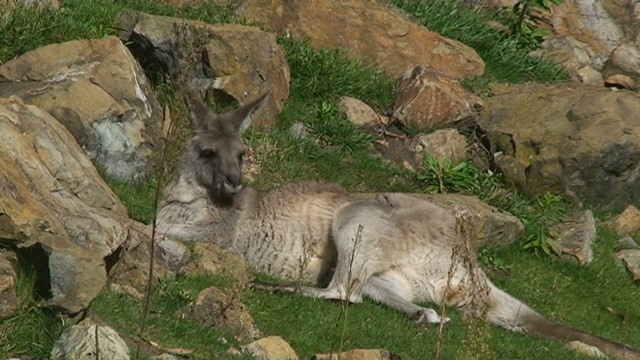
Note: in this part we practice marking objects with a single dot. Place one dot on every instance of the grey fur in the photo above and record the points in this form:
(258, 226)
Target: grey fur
(284, 232)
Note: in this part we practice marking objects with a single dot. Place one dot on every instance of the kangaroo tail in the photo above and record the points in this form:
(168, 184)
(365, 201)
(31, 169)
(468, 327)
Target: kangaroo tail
(508, 312)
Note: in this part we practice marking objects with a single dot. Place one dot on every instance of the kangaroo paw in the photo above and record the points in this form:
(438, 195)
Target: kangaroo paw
(429, 316)
(274, 288)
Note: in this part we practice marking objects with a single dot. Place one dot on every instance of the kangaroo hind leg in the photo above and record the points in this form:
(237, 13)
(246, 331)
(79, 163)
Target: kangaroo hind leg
(392, 290)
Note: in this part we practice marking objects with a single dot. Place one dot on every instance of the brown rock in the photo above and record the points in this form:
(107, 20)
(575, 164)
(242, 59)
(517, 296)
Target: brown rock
(621, 81)
(631, 259)
(426, 99)
(567, 138)
(587, 33)
(214, 308)
(441, 144)
(133, 259)
(626, 57)
(370, 30)
(52, 195)
(8, 289)
(212, 260)
(574, 236)
(359, 113)
(590, 76)
(117, 120)
(627, 222)
(48, 184)
(271, 348)
(359, 354)
(77, 276)
(216, 58)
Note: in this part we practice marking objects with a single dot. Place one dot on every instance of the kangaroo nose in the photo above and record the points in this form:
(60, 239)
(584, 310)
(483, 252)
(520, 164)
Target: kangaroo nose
(233, 180)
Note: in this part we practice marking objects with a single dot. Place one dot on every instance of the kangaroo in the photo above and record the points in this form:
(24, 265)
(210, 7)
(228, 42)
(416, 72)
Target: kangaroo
(284, 232)
(394, 248)
(398, 250)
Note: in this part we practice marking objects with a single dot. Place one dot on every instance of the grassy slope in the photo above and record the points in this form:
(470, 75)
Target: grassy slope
(563, 291)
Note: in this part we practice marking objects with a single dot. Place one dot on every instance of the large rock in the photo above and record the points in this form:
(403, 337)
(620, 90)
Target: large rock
(51, 194)
(8, 286)
(569, 139)
(238, 61)
(100, 93)
(425, 99)
(88, 341)
(369, 30)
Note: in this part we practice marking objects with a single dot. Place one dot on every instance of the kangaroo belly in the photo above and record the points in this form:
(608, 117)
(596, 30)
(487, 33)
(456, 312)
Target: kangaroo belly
(288, 233)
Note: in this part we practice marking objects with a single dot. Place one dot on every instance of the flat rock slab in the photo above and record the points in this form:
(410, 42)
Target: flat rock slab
(366, 30)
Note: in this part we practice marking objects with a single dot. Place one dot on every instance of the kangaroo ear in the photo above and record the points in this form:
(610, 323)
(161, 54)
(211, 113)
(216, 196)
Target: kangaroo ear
(244, 115)
(199, 111)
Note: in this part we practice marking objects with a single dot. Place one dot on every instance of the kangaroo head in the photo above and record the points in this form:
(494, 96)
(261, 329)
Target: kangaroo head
(216, 151)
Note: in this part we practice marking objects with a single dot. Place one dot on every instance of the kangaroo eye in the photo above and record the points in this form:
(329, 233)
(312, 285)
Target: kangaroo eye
(208, 154)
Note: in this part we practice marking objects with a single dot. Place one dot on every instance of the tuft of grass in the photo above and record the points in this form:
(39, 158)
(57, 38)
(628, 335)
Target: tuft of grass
(34, 328)
(328, 74)
(137, 197)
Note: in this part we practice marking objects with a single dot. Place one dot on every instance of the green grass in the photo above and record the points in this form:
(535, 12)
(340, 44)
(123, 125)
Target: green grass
(506, 56)
(165, 327)
(34, 328)
(339, 152)
(22, 30)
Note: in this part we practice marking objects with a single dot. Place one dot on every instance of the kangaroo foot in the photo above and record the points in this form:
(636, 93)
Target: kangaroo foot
(429, 316)
(282, 288)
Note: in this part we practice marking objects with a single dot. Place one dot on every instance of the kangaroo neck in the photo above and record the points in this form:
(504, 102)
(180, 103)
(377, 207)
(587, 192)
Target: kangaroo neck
(226, 211)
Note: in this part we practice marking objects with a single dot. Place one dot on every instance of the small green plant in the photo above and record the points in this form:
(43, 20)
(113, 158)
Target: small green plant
(444, 176)
(523, 21)
(546, 209)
